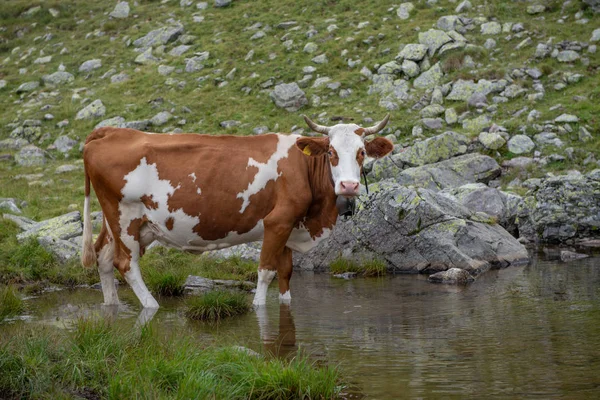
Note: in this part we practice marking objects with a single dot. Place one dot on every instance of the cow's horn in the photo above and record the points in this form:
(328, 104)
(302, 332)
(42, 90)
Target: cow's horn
(315, 127)
(378, 127)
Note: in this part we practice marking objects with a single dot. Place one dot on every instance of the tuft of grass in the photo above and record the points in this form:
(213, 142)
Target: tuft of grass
(216, 305)
(11, 303)
(367, 268)
(96, 359)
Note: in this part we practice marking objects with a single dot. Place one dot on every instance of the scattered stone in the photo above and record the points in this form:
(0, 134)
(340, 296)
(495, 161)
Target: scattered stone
(10, 205)
(58, 78)
(222, 3)
(30, 156)
(120, 77)
(430, 78)
(121, 10)
(90, 65)
(194, 64)
(63, 169)
(410, 68)
(93, 110)
(43, 60)
(567, 56)
(320, 59)
(492, 140)
(595, 35)
(146, 57)
(161, 118)
(64, 144)
(179, 50)
(432, 150)
(404, 10)
(198, 284)
(413, 52)
(491, 28)
(434, 39)
(28, 87)
(64, 227)
(159, 36)
(289, 96)
(453, 276)
(536, 9)
(476, 125)
(310, 48)
(567, 256)
(566, 118)
(463, 6)
(520, 144)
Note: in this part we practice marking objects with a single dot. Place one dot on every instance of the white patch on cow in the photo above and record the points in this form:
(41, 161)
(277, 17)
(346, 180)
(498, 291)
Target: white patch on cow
(193, 176)
(199, 191)
(265, 277)
(346, 143)
(267, 171)
(300, 239)
(285, 298)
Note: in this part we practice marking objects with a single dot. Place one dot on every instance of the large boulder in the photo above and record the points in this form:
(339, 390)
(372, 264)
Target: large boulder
(455, 172)
(562, 209)
(434, 149)
(64, 227)
(416, 231)
(478, 197)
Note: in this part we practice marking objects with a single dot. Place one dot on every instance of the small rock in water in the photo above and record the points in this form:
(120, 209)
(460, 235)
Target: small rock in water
(346, 275)
(566, 256)
(453, 276)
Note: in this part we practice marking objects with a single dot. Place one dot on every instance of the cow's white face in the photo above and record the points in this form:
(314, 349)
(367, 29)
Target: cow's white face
(346, 150)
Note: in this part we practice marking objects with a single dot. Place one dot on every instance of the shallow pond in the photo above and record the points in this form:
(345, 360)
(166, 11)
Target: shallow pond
(522, 332)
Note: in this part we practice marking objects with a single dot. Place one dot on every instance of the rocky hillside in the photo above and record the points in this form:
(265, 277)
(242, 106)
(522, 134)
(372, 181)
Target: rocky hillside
(513, 84)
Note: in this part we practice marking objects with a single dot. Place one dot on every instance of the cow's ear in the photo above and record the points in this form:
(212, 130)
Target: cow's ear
(313, 146)
(379, 147)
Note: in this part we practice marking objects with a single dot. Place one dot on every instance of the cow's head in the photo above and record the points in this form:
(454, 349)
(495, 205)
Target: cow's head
(346, 149)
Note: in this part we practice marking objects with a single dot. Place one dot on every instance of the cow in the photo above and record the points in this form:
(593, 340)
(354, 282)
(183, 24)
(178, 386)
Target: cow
(198, 192)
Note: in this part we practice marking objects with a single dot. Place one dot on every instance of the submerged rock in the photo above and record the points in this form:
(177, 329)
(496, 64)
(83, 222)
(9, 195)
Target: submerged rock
(453, 276)
(567, 256)
(198, 284)
(416, 231)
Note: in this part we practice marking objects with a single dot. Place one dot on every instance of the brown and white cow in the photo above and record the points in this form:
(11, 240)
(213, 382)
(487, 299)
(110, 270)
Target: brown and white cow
(200, 192)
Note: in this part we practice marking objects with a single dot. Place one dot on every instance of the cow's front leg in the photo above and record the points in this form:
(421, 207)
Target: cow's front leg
(284, 273)
(273, 249)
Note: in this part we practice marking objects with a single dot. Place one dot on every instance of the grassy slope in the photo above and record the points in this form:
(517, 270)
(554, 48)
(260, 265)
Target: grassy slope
(210, 104)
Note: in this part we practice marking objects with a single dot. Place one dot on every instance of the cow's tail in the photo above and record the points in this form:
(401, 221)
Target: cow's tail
(88, 253)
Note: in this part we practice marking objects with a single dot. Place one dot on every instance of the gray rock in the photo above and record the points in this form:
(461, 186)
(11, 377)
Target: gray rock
(387, 85)
(416, 231)
(222, 3)
(491, 28)
(595, 35)
(289, 96)
(434, 39)
(433, 110)
(534, 73)
(548, 138)
(64, 227)
(198, 284)
(453, 276)
(10, 205)
(161, 118)
(30, 156)
(562, 208)
(455, 172)
(435, 149)
(536, 9)
(28, 87)
(566, 118)
(22, 222)
(477, 99)
(90, 65)
(121, 10)
(491, 140)
(463, 6)
(449, 23)
(584, 135)
(404, 10)
(146, 57)
(391, 67)
(413, 52)
(229, 124)
(64, 144)
(567, 56)
(477, 197)
(159, 36)
(567, 256)
(120, 77)
(451, 116)
(594, 5)
(62, 250)
(247, 251)
(520, 144)
(433, 124)
(320, 59)
(476, 125)
(58, 78)
(410, 68)
(310, 48)
(13, 144)
(63, 169)
(165, 70)
(93, 110)
(430, 78)
(2, 83)
(514, 91)
(179, 50)
(117, 122)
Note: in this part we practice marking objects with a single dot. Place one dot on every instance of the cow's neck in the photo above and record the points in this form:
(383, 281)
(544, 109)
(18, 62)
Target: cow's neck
(323, 206)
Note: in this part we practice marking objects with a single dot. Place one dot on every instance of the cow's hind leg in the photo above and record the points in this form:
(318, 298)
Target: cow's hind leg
(105, 270)
(284, 273)
(133, 276)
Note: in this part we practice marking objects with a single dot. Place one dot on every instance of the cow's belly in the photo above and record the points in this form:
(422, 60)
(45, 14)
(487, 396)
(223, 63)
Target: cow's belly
(300, 239)
(185, 239)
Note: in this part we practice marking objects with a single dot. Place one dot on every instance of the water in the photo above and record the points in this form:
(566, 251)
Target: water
(521, 332)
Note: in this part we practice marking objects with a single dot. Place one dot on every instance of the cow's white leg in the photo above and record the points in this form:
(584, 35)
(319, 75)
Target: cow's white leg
(265, 277)
(134, 279)
(105, 270)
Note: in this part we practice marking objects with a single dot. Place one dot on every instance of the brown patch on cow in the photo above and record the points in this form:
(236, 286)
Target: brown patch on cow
(313, 146)
(360, 131)
(379, 147)
(148, 202)
(334, 159)
(360, 156)
(169, 223)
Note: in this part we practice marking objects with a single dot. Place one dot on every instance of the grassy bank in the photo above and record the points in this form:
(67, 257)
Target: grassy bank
(365, 268)
(97, 360)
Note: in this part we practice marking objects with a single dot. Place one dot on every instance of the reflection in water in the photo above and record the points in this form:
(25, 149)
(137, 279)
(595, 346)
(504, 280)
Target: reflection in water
(280, 342)
(521, 332)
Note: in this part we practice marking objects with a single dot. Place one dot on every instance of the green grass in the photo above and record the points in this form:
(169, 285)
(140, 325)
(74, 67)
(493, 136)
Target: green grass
(367, 268)
(11, 303)
(216, 305)
(99, 360)
(165, 270)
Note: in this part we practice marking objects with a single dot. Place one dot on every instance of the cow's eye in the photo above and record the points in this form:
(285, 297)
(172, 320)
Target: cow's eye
(330, 153)
(363, 153)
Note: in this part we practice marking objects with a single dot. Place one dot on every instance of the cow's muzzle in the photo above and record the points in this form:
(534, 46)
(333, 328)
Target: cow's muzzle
(346, 206)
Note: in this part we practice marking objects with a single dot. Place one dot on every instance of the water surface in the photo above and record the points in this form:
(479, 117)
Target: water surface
(522, 332)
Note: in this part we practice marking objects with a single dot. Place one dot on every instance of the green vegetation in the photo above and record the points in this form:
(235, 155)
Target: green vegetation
(165, 270)
(99, 360)
(10, 302)
(216, 305)
(367, 268)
